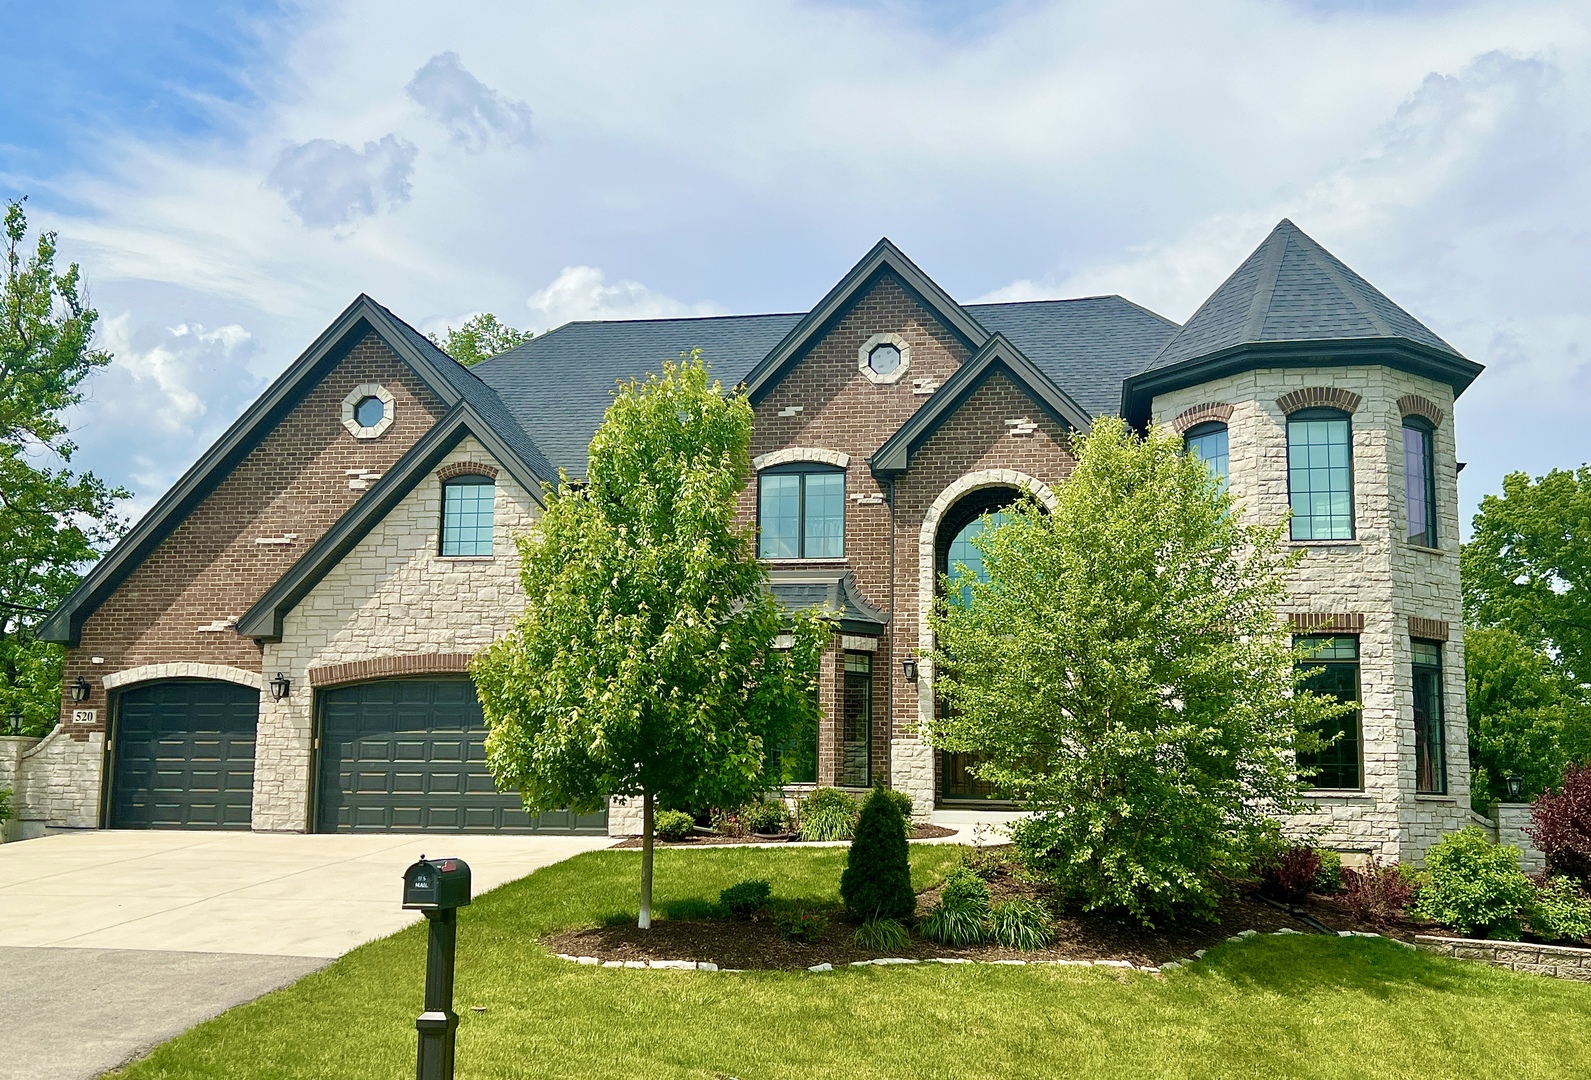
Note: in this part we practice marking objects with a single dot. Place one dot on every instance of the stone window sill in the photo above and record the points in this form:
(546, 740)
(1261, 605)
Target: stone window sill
(1344, 796)
(1342, 545)
(798, 563)
(1432, 797)
(465, 558)
(1427, 550)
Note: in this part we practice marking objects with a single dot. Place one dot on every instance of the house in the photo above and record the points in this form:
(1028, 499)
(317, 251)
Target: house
(282, 642)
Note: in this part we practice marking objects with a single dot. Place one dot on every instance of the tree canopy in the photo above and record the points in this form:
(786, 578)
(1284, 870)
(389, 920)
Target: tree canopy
(481, 338)
(52, 521)
(646, 660)
(1123, 671)
(1526, 716)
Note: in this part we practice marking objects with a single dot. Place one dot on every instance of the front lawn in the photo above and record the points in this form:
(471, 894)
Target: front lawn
(1293, 1006)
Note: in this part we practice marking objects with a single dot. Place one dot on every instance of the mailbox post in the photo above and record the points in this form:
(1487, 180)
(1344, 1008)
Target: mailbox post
(437, 888)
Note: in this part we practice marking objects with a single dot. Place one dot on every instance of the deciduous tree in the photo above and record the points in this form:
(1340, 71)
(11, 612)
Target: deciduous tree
(481, 338)
(646, 663)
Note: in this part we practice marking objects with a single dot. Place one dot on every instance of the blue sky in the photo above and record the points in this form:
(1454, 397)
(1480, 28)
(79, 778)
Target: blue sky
(231, 175)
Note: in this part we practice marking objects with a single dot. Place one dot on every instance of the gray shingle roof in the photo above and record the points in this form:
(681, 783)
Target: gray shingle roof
(1292, 289)
(559, 385)
(833, 589)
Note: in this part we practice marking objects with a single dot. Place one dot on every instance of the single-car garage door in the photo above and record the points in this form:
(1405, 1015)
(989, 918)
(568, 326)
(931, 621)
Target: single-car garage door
(409, 755)
(182, 756)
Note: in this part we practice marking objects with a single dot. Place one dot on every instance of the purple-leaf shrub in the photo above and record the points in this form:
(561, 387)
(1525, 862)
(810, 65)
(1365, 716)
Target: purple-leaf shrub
(1560, 825)
(1378, 894)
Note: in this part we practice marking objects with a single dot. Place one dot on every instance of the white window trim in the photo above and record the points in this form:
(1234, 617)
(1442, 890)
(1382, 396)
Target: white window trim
(874, 342)
(358, 394)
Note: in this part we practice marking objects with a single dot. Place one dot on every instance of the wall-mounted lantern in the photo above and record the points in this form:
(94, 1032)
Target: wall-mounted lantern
(280, 686)
(81, 689)
(16, 720)
(908, 668)
(1515, 785)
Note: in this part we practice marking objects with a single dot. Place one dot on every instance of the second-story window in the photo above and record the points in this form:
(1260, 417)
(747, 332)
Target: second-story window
(467, 515)
(1419, 478)
(1320, 474)
(801, 512)
(1208, 443)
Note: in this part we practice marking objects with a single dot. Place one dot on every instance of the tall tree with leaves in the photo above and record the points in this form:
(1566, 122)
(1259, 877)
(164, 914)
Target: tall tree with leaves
(646, 661)
(1527, 718)
(53, 521)
(481, 338)
(1124, 672)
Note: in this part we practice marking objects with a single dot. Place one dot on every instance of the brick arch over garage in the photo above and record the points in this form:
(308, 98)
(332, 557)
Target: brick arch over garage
(926, 563)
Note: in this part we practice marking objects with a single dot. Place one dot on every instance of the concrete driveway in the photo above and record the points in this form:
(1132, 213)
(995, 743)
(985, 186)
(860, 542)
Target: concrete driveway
(111, 942)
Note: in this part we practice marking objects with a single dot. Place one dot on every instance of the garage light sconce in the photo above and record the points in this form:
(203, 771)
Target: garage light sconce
(81, 689)
(280, 686)
(908, 668)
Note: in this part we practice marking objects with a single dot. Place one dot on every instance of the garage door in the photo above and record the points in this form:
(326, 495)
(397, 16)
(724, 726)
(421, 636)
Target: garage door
(409, 755)
(182, 756)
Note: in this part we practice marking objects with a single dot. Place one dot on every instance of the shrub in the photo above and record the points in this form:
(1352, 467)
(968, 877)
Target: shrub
(882, 935)
(729, 822)
(827, 814)
(950, 925)
(1020, 923)
(964, 887)
(1328, 879)
(801, 925)
(1379, 894)
(1560, 825)
(746, 898)
(877, 882)
(673, 825)
(1561, 911)
(764, 816)
(902, 801)
(5, 805)
(1472, 884)
(1291, 873)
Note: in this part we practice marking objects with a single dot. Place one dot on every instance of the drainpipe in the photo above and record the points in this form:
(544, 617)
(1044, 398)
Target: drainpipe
(889, 706)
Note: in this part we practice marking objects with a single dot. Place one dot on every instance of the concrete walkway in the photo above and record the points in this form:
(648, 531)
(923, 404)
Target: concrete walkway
(111, 942)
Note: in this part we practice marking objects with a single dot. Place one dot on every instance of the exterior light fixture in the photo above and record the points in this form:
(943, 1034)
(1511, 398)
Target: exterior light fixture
(280, 686)
(81, 689)
(1515, 784)
(16, 720)
(908, 668)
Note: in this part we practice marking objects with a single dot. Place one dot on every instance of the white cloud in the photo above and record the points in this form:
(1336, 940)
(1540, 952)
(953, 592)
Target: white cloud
(582, 292)
(474, 114)
(328, 183)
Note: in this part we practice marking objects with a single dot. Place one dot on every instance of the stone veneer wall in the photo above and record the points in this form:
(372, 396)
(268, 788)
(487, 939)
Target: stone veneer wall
(1378, 575)
(392, 595)
(1558, 961)
(1508, 827)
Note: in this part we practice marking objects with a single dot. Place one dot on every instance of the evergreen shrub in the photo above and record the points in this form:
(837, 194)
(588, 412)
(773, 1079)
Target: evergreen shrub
(744, 899)
(672, 825)
(877, 882)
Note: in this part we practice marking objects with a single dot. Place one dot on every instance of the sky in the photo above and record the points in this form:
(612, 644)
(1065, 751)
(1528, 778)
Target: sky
(231, 175)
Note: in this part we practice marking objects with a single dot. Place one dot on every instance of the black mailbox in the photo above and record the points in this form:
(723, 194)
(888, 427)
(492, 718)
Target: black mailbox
(433, 884)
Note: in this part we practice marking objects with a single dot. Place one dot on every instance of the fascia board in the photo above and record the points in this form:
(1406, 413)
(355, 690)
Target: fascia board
(884, 255)
(64, 625)
(1138, 391)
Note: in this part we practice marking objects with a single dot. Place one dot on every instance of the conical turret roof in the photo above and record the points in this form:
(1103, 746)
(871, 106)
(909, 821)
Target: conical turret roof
(1292, 289)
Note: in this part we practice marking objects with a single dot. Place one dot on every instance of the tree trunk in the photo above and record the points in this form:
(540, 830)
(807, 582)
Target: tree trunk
(645, 922)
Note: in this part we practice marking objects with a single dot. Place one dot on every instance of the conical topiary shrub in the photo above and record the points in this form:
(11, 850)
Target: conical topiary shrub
(877, 883)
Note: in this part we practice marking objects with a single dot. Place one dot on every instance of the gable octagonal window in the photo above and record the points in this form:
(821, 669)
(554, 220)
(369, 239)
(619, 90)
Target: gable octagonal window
(1320, 474)
(468, 511)
(368, 411)
(1208, 442)
(884, 358)
(1419, 478)
(801, 511)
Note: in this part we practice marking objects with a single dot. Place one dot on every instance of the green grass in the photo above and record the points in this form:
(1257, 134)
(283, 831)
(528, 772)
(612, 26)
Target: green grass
(1290, 1006)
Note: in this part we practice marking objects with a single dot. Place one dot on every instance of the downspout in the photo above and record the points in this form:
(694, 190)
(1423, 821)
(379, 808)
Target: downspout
(894, 629)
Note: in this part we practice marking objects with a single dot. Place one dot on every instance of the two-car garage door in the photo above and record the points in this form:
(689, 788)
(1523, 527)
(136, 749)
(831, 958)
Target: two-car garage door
(399, 755)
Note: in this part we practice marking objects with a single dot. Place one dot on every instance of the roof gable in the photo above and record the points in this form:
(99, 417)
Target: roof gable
(884, 258)
(443, 375)
(997, 355)
(264, 620)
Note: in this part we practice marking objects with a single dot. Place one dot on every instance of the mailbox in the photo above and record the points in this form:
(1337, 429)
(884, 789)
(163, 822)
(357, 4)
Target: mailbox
(434, 884)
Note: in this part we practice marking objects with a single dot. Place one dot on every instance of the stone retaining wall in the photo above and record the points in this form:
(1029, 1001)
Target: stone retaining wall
(1559, 961)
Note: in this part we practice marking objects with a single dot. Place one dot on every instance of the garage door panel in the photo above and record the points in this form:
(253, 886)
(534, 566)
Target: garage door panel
(183, 756)
(426, 739)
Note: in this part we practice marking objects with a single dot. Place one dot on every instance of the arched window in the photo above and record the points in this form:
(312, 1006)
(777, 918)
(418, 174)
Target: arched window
(1208, 443)
(468, 504)
(801, 511)
(1419, 478)
(1320, 474)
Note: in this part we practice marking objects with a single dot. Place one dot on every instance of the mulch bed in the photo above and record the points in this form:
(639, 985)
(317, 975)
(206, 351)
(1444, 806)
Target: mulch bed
(757, 945)
(919, 832)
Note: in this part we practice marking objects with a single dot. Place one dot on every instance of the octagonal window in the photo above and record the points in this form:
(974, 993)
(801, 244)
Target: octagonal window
(884, 359)
(369, 411)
